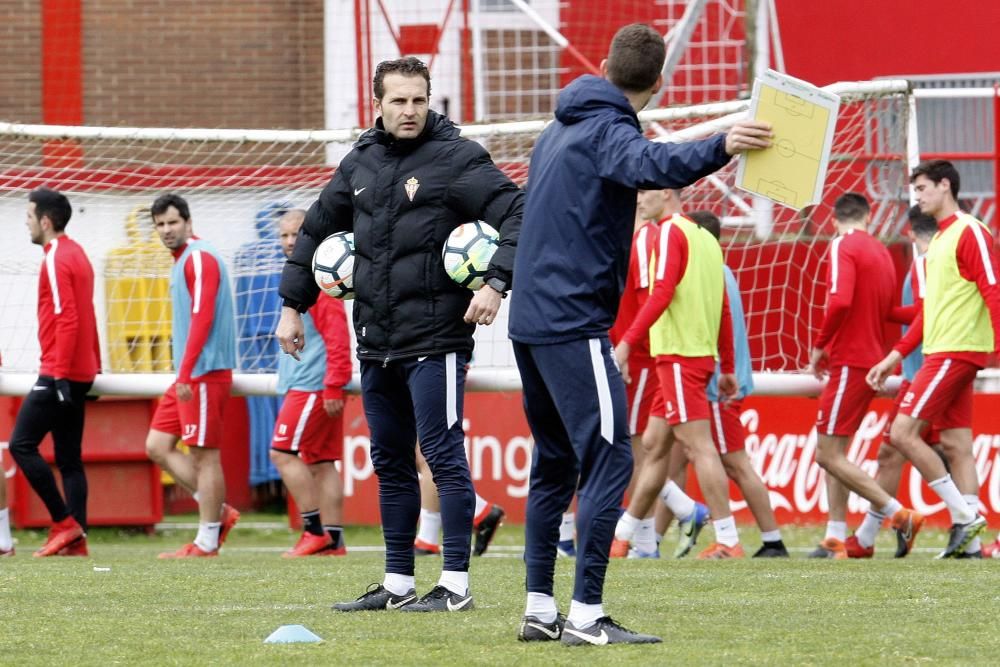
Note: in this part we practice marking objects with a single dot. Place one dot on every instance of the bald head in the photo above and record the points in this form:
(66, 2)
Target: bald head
(288, 229)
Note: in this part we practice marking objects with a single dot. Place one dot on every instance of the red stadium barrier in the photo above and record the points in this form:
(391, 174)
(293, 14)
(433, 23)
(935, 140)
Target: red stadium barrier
(781, 443)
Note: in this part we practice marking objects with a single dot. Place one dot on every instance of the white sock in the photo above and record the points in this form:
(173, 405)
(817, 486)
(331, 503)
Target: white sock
(398, 584)
(891, 508)
(208, 536)
(567, 529)
(430, 527)
(677, 501)
(659, 536)
(454, 581)
(870, 526)
(770, 536)
(480, 505)
(6, 541)
(645, 536)
(627, 525)
(583, 616)
(542, 607)
(196, 497)
(725, 531)
(952, 497)
(836, 530)
(972, 500)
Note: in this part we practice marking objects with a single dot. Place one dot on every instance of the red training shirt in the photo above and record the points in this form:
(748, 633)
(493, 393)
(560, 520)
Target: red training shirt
(67, 326)
(203, 289)
(977, 262)
(669, 274)
(862, 293)
(330, 319)
(636, 292)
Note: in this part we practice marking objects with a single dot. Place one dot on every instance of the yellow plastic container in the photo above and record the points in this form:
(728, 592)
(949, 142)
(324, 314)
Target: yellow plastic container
(137, 289)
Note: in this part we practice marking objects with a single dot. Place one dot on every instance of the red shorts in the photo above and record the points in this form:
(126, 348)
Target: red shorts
(198, 422)
(644, 397)
(941, 393)
(844, 401)
(683, 387)
(727, 429)
(931, 435)
(304, 428)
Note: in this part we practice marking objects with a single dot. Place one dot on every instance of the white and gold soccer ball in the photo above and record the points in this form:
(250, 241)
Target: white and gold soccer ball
(333, 265)
(468, 251)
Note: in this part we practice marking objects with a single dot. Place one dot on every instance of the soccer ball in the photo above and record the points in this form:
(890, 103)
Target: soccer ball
(468, 251)
(333, 265)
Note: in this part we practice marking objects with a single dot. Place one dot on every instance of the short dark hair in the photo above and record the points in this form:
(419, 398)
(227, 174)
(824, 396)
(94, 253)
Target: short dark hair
(636, 57)
(935, 170)
(408, 66)
(851, 206)
(53, 205)
(708, 220)
(921, 223)
(163, 202)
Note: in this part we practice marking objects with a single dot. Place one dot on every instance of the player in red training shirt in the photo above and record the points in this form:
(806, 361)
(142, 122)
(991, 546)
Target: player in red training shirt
(635, 533)
(890, 461)
(861, 298)
(959, 326)
(308, 438)
(689, 325)
(71, 358)
(204, 354)
(6, 541)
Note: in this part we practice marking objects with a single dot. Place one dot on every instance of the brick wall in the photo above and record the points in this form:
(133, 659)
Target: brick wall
(20, 61)
(203, 63)
(178, 63)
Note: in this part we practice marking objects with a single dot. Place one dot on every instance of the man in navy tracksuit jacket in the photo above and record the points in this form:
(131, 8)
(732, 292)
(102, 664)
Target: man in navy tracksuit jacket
(570, 264)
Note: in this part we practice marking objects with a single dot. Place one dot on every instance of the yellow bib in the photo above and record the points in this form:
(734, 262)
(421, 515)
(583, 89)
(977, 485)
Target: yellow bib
(955, 315)
(690, 325)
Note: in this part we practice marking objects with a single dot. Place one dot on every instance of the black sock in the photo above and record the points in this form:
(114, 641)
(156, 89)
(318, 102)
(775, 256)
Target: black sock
(312, 523)
(336, 534)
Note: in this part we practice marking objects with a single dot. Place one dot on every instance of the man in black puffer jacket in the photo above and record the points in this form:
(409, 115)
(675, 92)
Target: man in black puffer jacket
(404, 187)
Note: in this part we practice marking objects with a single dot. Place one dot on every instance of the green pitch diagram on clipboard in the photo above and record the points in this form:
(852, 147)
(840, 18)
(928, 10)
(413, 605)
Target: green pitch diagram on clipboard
(803, 117)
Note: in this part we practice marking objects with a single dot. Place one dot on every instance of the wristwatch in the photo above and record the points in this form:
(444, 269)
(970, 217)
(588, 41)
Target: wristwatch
(499, 285)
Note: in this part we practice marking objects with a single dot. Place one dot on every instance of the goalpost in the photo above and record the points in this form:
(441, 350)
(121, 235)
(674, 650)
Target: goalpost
(239, 181)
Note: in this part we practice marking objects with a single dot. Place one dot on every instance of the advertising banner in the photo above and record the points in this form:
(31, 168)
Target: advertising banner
(780, 441)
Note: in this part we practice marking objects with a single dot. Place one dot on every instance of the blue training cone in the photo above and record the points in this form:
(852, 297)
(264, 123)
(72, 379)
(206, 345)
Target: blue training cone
(292, 634)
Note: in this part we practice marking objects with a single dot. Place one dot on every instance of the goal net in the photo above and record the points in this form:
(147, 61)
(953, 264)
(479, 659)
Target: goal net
(239, 182)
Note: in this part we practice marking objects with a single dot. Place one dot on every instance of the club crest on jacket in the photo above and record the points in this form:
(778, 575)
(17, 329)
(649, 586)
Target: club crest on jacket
(411, 187)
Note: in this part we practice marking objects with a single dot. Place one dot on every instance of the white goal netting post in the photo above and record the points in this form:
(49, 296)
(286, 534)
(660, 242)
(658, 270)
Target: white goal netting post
(237, 182)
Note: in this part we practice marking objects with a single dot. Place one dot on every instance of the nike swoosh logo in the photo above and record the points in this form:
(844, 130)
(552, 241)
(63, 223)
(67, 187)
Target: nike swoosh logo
(551, 634)
(599, 640)
(419, 359)
(37, 388)
(358, 191)
(461, 605)
(281, 438)
(402, 603)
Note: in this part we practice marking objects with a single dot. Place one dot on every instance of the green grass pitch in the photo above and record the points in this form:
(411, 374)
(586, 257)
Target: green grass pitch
(122, 606)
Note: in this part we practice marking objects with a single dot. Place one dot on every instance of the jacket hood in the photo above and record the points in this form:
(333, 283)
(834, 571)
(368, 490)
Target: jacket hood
(438, 127)
(589, 96)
